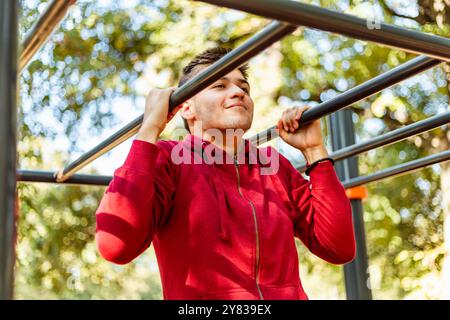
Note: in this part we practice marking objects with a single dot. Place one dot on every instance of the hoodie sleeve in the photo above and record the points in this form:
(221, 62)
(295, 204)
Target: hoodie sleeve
(323, 213)
(137, 201)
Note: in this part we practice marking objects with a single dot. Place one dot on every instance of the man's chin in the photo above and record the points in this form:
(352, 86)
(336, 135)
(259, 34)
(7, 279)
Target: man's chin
(231, 125)
(241, 127)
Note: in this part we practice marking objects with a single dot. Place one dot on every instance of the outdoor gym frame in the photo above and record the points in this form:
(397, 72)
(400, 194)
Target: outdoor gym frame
(289, 14)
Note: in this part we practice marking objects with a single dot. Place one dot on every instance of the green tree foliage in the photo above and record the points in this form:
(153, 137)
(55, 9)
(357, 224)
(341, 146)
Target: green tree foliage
(108, 50)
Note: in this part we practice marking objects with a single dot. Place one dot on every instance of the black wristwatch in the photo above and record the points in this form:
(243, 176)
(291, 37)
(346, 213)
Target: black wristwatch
(315, 163)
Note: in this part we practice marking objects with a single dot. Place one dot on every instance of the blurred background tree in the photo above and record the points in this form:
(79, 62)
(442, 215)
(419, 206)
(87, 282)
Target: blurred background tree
(92, 77)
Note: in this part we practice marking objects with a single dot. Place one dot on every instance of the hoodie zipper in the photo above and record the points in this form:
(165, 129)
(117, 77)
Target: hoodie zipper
(236, 165)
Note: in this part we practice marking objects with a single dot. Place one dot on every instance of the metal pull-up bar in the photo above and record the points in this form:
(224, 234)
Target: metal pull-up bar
(347, 98)
(298, 13)
(355, 94)
(42, 29)
(260, 41)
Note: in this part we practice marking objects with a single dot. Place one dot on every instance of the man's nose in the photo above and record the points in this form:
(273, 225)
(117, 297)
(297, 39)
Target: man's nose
(236, 91)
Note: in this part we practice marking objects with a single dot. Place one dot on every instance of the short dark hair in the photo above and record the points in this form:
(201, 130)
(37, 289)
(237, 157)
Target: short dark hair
(205, 59)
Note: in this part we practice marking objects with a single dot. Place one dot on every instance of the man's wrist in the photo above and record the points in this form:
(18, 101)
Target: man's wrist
(148, 134)
(315, 153)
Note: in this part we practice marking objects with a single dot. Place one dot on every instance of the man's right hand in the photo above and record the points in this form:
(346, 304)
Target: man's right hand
(156, 114)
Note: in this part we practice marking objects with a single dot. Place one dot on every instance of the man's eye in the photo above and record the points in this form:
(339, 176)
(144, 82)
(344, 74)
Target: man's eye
(245, 90)
(219, 86)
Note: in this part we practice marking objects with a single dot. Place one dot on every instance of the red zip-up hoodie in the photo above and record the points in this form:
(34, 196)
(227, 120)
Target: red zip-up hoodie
(223, 231)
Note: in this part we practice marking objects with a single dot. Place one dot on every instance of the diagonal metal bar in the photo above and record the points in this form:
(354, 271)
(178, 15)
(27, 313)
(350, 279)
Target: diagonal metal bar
(42, 29)
(399, 169)
(49, 177)
(257, 43)
(390, 137)
(355, 94)
(364, 29)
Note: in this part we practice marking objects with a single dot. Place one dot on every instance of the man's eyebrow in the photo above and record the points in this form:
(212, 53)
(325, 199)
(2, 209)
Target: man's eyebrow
(240, 80)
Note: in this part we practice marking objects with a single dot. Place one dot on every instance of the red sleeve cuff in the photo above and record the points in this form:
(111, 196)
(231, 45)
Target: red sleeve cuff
(323, 176)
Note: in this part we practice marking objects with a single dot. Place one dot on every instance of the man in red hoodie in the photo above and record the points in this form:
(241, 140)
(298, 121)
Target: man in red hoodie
(222, 214)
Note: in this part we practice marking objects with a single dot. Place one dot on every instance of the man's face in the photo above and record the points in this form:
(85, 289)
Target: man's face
(226, 104)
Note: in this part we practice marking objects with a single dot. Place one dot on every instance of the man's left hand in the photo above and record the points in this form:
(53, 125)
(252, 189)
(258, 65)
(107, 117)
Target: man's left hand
(307, 138)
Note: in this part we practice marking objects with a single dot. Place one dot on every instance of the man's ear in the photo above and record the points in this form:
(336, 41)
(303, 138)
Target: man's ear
(187, 110)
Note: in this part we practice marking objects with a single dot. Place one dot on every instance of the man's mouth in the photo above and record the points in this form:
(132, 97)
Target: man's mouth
(236, 105)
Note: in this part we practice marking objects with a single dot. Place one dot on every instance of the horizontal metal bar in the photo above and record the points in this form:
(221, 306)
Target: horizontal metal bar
(364, 29)
(85, 179)
(257, 43)
(42, 29)
(355, 94)
(49, 177)
(399, 169)
(390, 137)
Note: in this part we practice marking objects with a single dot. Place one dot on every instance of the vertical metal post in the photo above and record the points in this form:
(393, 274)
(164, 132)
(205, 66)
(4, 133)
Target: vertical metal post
(8, 80)
(356, 272)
